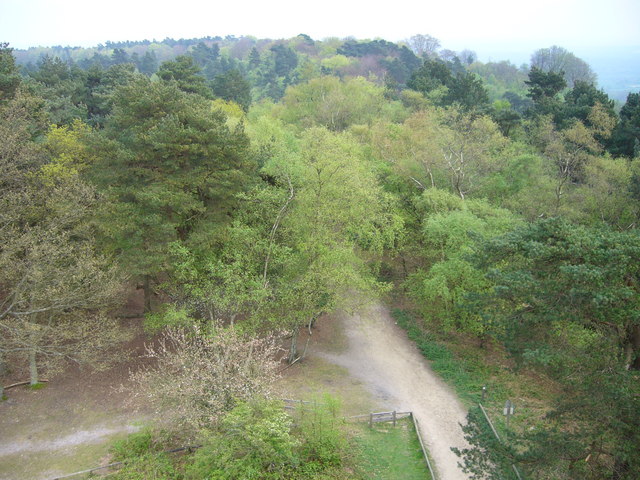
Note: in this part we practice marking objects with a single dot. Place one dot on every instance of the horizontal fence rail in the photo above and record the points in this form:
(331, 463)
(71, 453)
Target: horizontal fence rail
(424, 449)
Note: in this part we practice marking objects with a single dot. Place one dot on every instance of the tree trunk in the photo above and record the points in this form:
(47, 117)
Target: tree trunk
(312, 322)
(33, 367)
(3, 365)
(3, 370)
(293, 348)
(147, 293)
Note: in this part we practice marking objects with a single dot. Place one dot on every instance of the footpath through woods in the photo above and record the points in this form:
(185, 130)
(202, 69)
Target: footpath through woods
(386, 361)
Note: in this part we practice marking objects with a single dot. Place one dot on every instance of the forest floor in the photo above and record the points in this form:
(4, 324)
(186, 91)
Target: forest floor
(68, 425)
(365, 360)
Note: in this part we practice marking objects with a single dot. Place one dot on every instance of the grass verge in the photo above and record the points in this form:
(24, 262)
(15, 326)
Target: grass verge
(466, 374)
(467, 368)
(390, 453)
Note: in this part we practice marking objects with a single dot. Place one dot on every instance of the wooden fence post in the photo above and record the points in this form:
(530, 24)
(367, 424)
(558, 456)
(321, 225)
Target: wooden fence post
(394, 418)
(371, 420)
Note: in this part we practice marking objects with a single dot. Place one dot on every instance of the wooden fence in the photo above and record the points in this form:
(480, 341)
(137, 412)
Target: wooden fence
(380, 417)
(375, 417)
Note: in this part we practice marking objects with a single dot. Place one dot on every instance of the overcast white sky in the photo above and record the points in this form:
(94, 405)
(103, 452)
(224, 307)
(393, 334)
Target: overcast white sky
(476, 24)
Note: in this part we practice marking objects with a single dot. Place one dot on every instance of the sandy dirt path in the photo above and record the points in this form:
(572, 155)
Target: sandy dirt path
(381, 356)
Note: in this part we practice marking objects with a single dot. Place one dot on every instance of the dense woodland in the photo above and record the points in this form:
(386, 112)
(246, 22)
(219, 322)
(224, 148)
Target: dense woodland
(248, 186)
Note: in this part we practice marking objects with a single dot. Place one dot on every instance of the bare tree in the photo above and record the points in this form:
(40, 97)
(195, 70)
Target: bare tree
(557, 59)
(201, 373)
(424, 45)
(469, 146)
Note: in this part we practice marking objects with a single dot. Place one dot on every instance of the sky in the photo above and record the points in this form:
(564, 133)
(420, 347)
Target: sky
(481, 25)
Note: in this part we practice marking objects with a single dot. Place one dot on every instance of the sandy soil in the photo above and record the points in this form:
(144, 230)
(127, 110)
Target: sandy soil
(380, 355)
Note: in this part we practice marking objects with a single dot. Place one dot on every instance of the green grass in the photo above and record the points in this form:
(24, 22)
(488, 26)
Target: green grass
(37, 386)
(388, 453)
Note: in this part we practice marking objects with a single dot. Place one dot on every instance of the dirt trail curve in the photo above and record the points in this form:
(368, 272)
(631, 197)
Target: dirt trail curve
(380, 355)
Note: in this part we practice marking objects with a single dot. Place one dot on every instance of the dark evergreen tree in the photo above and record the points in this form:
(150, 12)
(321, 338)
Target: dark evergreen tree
(626, 136)
(9, 75)
(432, 74)
(544, 89)
(149, 63)
(285, 60)
(186, 74)
(566, 299)
(580, 100)
(254, 58)
(232, 86)
(467, 90)
(63, 86)
(169, 168)
(119, 56)
(204, 55)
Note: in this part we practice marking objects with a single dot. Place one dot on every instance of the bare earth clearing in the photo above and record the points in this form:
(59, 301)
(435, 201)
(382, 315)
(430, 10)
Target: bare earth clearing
(66, 426)
(380, 355)
(365, 359)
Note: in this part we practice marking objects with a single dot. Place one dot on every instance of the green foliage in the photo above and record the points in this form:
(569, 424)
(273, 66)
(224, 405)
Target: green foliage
(564, 63)
(579, 102)
(451, 227)
(627, 133)
(500, 78)
(606, 195)
(589, 288)
(56, 287)
(9, 76)
(462, 88)
(186, 74)
(544, 88)
(332, 103)
(324, 443)
(63, 86)
(258, 440)
(567, 297)
(135, 445)
(168, 315)
(153, 466)
(169, 167)
(232, 86)
(37, 386)
(486, 457)
(253, 441)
